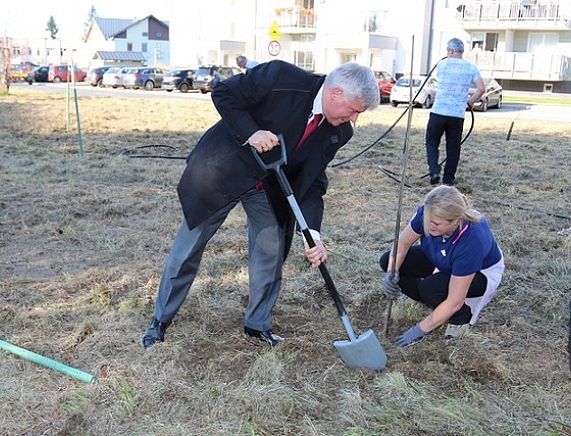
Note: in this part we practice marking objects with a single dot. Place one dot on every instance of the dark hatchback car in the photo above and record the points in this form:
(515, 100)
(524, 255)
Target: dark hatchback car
(204, 78)
(178, 79)
(95, 76)
(146, 77)
(38, 74)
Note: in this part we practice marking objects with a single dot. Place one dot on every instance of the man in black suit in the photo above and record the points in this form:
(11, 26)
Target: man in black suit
(275, 97)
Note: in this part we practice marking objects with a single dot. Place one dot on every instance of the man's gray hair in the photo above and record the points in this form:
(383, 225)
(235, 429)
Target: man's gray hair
(357, 82)
(241, 58)
(456, 45)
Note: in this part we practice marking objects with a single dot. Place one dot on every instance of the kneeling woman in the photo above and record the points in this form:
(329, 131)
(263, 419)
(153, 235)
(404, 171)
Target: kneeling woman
(455, 270)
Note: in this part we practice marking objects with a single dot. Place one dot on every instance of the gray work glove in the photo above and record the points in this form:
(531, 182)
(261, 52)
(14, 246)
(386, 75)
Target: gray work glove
(411, 336)
(391, 287)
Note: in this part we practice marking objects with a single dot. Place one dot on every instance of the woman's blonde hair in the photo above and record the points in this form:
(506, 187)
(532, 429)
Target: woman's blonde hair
(447, 203)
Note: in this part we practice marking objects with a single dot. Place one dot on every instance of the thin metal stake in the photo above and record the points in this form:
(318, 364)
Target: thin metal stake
(79, 137)
(401, 188)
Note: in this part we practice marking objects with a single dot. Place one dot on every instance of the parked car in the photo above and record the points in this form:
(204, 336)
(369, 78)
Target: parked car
(178, 79)
(203, 78)
(113, 77)
(492, 96)
(146, 77)
(60, 73)
(401, 92)
(21, 71)
(38, 74)
(95, 76)
(386, 83)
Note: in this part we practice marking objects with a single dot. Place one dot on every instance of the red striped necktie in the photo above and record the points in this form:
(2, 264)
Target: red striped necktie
(309, 129)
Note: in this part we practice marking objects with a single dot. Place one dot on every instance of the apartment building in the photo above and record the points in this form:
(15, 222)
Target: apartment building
(40, 51)
(317, 34)
(526, 45)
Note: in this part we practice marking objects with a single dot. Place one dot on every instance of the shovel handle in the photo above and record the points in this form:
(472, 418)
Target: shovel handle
(269, 161)
(286, 188)
(327, 277)
(275, 158)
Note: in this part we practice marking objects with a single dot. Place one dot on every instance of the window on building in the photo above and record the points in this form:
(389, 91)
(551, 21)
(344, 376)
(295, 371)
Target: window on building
(144, 47)
(304, 59)
(303, 37)
(145, 34)
(129, 46)
(542, 42)
(348, 57)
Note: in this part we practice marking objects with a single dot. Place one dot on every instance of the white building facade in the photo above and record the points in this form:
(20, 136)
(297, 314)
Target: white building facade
(317, 35)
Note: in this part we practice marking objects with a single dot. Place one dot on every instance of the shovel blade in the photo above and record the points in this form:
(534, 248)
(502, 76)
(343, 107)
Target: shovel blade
(364, 352)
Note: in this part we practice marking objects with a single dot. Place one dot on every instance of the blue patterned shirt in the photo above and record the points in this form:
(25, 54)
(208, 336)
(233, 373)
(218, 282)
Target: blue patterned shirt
(455, 77)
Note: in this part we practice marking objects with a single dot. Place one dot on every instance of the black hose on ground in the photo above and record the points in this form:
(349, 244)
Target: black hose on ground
(376, 141)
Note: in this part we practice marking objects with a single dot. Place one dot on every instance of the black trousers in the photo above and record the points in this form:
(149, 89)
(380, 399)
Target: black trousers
(419, 283)
(452, 127)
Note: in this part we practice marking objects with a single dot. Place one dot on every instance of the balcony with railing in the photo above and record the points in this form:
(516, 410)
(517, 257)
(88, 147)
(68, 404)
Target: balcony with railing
(548, 15)
(296, 19)
(522, 66)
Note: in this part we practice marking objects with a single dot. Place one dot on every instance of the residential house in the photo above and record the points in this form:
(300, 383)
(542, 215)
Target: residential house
(113, 41)
(524, 44)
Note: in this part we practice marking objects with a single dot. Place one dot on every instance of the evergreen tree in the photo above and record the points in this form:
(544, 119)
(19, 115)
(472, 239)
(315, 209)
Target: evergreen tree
(52, 27)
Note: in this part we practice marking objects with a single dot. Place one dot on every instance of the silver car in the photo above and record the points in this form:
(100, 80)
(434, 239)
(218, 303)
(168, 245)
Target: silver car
(401, 91)
(113, 77)
(492, 96)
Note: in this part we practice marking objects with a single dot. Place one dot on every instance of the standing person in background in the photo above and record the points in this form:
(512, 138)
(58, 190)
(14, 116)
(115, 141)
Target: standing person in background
(244, 63)
(455, 270)
(455, 77)
(315, 114)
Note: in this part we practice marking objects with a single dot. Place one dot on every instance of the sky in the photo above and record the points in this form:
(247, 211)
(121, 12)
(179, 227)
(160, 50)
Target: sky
(29, 18)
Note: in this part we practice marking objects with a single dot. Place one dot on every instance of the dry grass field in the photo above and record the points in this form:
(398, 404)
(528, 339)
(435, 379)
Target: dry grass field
(83, 240)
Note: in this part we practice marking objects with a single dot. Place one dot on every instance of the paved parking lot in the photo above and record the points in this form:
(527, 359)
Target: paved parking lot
(559, 113)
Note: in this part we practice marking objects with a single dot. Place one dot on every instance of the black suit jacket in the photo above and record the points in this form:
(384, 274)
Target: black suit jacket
(275, 96)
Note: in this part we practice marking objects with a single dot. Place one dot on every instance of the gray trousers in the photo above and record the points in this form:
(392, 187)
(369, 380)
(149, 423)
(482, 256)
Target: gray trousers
(265, 259)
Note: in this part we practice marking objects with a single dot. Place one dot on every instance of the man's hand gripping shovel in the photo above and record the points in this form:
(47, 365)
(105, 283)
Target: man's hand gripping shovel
(364, 351)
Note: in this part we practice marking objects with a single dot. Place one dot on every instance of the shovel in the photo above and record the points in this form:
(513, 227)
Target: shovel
(362, 351)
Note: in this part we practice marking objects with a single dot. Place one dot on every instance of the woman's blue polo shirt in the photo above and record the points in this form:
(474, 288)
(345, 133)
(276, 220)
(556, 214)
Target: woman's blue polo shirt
(470, 249)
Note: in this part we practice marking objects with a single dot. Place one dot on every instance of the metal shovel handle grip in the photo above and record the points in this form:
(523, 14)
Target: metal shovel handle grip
(275, 158)
(276, 166)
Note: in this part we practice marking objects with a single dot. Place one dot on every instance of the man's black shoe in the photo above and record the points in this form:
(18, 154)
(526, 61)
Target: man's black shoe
(434, 179)
(155, 333)
(448, 182)
(266, 336)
